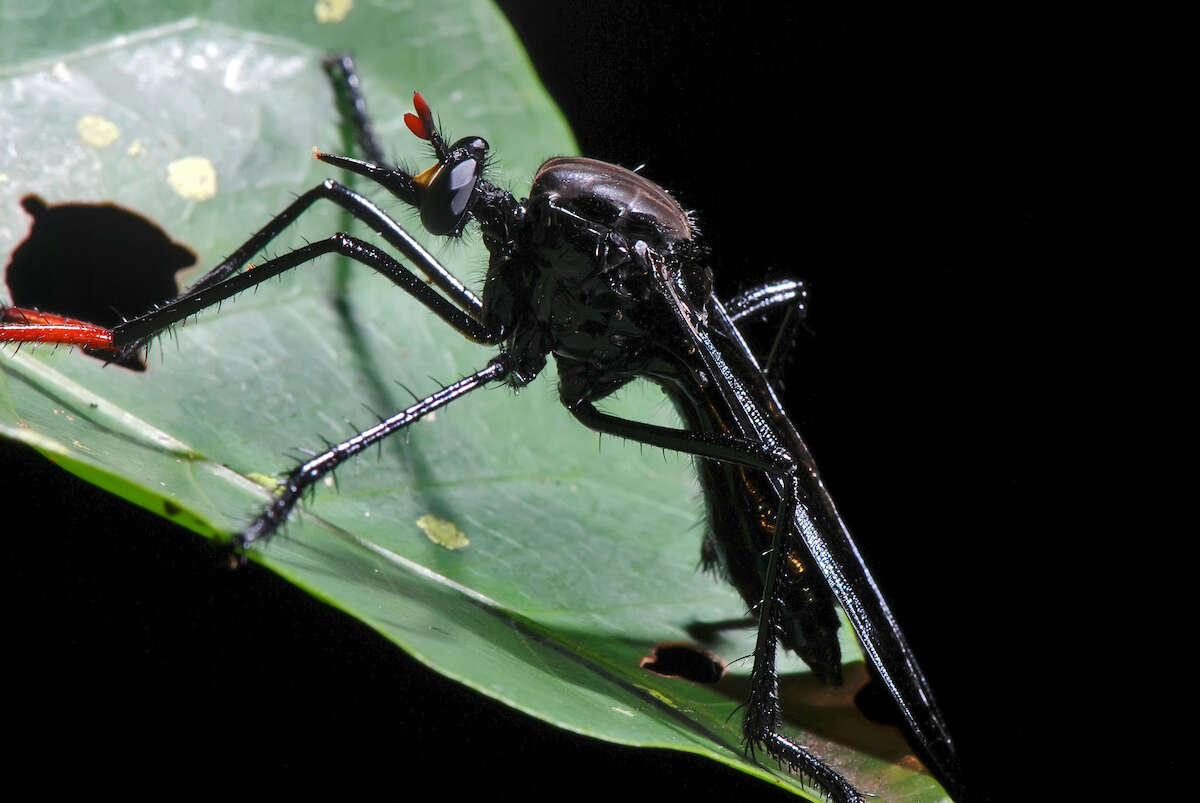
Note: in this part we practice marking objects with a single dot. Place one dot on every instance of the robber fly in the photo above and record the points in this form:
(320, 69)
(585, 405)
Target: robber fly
(603, 270)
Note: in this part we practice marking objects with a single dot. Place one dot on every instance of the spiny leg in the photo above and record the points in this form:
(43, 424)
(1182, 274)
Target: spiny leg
(396, 181)
(366, 211)
(311, 471)
(821, 533)
(820, 775)
(344, 76)
(763, 712)
(21, 325)
(788, 293)
(712, 445)
(132, 333)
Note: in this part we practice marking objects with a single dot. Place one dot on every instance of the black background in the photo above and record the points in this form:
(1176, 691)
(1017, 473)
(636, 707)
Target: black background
(907, 166)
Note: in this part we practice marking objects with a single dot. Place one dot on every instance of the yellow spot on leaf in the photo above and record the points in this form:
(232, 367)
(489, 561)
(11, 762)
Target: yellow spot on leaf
(662, 698)
(135, 148)
(442, 532)
(327, 11)
(96, 131)
(193, 177)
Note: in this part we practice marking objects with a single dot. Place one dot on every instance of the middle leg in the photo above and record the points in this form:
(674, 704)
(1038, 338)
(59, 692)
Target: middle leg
(305, 475)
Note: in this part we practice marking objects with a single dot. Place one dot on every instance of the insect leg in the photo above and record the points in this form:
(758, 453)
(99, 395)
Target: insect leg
(311, 471)
(763, 713)
(761, 723)
(344, 75)
(132, 333)
(789, 292)
(714, 446)
(368, 213)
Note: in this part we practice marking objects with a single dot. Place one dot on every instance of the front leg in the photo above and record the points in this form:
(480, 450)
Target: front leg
(366, 211)
(133, 333)
(343, 74)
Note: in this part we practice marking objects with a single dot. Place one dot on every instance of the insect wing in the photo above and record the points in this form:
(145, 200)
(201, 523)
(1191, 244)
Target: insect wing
(835, 554)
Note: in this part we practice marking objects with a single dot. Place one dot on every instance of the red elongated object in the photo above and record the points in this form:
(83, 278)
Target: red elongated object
(24, 325)
(420, 123)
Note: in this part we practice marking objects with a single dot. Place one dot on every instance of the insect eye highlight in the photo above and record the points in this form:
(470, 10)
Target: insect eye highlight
(476, 147)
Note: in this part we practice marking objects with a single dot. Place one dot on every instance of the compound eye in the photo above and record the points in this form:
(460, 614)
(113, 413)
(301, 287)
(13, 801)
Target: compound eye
(448, 197)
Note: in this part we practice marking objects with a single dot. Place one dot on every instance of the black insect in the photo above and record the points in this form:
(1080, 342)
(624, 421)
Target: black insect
(604, 270)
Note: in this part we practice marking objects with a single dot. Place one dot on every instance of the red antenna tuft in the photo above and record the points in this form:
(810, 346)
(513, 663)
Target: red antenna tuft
(420, 123)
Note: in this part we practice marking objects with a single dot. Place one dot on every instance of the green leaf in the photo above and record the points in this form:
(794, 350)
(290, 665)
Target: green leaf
(550, 606)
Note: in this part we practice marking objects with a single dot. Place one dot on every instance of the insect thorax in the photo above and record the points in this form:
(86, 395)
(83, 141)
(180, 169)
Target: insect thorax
(577, 289)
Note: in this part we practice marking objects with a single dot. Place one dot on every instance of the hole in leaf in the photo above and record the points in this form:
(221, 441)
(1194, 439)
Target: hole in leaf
(687, 661)
(94, 262)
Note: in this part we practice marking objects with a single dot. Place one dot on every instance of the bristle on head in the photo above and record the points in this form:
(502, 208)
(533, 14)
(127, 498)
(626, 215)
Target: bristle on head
(421, 123)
